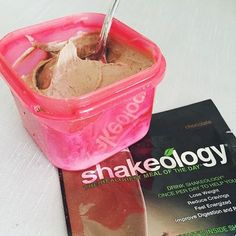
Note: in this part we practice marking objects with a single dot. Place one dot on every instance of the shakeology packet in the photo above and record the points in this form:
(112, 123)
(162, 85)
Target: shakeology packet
(178, 180)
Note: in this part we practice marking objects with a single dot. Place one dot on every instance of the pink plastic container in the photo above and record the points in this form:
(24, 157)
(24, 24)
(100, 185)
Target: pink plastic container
(77, 133)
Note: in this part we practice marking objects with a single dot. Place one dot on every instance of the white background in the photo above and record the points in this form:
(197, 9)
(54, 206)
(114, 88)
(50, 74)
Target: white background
(198, 39)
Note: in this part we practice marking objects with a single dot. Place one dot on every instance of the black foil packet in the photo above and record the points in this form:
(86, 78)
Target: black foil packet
(189, 184)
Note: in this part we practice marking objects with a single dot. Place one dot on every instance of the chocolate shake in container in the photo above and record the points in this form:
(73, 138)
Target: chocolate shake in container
(80, 112)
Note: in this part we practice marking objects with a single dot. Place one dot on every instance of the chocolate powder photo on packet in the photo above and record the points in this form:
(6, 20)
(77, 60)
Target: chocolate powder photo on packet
(103, 208)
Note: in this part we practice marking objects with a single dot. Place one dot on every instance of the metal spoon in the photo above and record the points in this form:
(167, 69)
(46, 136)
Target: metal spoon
(100, 51)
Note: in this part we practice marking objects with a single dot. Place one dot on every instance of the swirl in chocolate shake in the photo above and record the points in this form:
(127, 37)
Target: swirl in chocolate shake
(67, 74)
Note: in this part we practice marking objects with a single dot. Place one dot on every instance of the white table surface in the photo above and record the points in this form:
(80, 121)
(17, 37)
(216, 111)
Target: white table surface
(198, 39)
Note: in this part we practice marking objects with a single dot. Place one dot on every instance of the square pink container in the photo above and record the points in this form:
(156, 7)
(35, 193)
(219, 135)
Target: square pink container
(77, 133)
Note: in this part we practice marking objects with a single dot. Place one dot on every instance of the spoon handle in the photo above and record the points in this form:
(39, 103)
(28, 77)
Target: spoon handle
(107, 24)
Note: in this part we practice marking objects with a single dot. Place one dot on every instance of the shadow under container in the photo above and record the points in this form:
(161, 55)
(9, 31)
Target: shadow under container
(80, 132)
